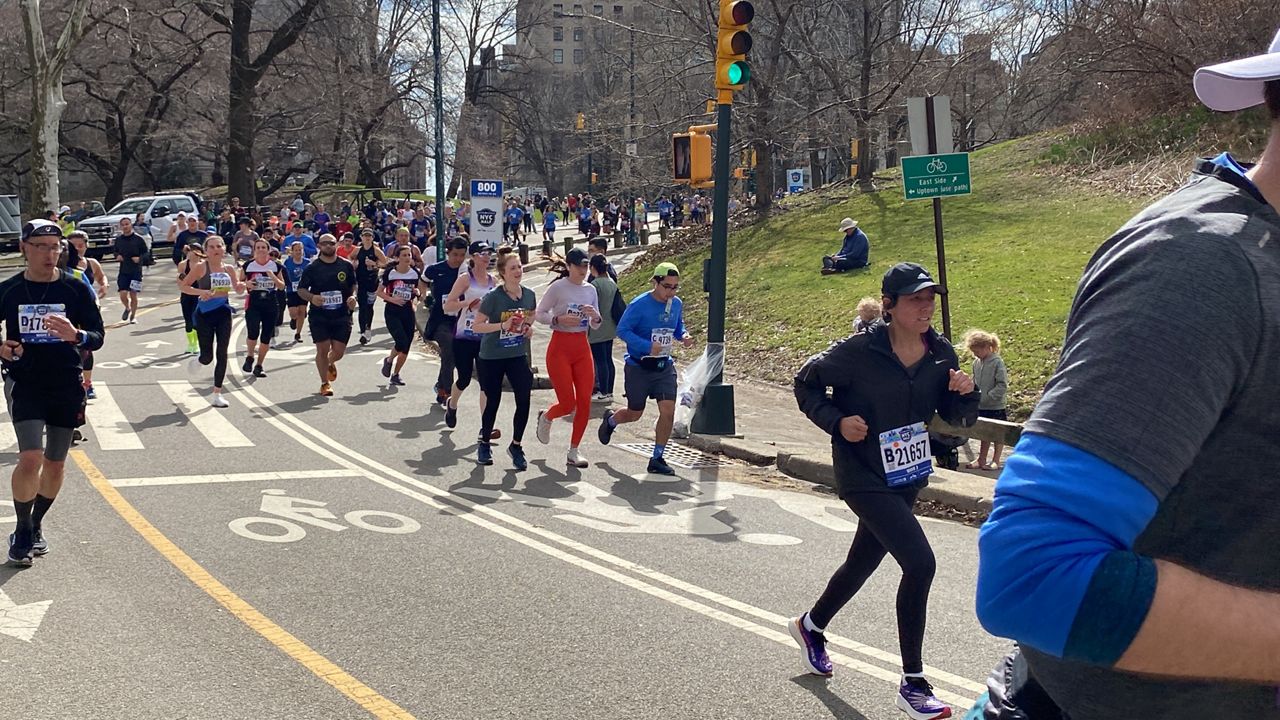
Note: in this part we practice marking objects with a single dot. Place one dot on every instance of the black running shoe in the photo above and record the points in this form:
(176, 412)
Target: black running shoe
(606, 430)
(451, 417)
(395, 379)
(484, 454)
(248, 365)
(39, 546)
(386, 367)
(659, 466)
(258, 371)
(19, 556)
(518, 460)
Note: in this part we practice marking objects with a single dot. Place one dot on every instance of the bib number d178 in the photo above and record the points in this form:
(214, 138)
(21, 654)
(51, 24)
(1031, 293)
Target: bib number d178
(904, 453)
(32, 327)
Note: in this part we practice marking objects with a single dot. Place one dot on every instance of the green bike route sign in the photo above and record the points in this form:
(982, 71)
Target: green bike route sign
(935, 176)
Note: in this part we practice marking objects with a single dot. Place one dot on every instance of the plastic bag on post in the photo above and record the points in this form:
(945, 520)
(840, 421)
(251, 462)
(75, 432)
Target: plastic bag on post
(693, 382)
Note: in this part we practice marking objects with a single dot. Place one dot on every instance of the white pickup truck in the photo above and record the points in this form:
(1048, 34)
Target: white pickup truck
(160, 211)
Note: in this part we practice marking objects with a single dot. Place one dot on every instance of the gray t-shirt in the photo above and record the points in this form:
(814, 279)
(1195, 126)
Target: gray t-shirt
(497, 306)
(1186, 408)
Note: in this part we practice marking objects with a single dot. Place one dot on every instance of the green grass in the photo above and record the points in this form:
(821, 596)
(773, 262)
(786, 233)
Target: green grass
(1015, 250)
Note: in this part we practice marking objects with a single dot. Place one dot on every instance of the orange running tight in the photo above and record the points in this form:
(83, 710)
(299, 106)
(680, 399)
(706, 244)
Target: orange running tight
(573, 373)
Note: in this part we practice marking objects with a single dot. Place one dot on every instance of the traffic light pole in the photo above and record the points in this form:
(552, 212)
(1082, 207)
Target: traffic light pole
(715, 415)
(439, 130)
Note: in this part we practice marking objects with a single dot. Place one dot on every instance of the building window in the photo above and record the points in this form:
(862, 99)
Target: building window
(617, 11)
(577, 9)
(637, 12)
(557, 33)
(557, 56)
(577, 34)
(597, 10)
(577, 56)
(558, 9)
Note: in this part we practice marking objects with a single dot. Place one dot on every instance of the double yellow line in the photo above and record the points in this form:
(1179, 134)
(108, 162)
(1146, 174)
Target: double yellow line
(322, 667)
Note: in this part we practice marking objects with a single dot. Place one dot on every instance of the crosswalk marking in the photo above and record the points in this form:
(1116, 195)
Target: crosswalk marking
(111, 430)
(208, 420)
(235, 477)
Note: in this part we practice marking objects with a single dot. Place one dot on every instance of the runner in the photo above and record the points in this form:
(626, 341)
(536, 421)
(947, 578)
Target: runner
(601, 338)
(97, 280)
(368, 259)
(192, 255)
(263, 276)
(401, 285)
(212, 282)
(886, 383)
(464, 297)
(243, 241)
(329, 284)
(504, 354)
(130, 250)
(294, 265)
(649, 326)
(441, 325)
(50, 318)
(569, 306)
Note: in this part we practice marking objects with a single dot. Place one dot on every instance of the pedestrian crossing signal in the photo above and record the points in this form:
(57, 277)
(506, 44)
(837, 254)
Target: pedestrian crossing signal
(691, 158)
(733, 42)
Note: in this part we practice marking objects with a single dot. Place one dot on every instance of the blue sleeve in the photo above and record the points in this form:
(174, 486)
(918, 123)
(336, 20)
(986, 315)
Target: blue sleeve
(1056, 567)
(679, 330)
(636, 345)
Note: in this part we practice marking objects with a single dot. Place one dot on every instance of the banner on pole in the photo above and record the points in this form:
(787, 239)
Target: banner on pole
(487, 211)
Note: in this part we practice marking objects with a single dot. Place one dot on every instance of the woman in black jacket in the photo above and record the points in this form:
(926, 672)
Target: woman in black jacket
(886, 382)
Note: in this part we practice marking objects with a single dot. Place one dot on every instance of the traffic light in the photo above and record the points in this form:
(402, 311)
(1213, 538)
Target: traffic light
(581, 121)
(595, 178)
(740, 173)
(691, 158)
(733, 42)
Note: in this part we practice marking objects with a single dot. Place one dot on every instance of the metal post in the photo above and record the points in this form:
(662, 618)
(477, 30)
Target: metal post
(439, 123)
(715, 415)
(631, 139)
(937, 220)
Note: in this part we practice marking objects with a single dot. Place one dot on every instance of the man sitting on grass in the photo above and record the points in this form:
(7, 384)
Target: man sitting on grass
(853, 253)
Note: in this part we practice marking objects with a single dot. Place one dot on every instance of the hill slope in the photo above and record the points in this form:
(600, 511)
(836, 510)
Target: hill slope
(1015, 250)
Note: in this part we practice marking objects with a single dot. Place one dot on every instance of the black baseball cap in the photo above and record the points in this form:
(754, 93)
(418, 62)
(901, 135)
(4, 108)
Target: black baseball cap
(907, 278)
(479, 246)
(577, 256)
(41, 228)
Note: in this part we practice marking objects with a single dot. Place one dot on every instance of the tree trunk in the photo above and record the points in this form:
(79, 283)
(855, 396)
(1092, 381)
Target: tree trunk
(216, 176)
(241, 173)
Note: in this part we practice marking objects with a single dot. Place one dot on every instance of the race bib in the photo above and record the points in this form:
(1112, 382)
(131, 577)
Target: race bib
(246, 251)
(331, 299)
(264, 283)
(662, 337)
(466, 326)
(576, 309)
(135, 286)
(513, 338)
(370, 297)
(219, 283)
(31, 322)
(404, 291)
(904, 452)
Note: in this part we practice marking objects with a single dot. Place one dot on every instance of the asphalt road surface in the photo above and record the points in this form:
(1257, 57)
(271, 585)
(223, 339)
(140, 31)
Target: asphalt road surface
(295, 556)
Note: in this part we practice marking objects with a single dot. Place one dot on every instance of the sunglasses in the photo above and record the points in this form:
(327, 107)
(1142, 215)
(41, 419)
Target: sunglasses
(672, 288)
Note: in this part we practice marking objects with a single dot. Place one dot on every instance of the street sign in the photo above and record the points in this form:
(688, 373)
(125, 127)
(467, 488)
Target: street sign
(918, 124)
(487, 211)
(935, 176)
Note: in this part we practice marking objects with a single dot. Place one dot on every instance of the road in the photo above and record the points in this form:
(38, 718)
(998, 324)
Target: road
(295, 556)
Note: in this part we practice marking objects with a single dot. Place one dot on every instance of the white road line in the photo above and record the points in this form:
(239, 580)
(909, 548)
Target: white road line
(8, 437)
(208, 420)
(471, 512)
(111, 429)
(235, 477)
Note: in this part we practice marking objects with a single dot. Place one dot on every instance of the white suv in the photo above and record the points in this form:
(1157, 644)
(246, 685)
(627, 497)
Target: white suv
(159, 210)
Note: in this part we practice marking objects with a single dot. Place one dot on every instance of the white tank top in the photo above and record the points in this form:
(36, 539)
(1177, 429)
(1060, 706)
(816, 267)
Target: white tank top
(467, 317)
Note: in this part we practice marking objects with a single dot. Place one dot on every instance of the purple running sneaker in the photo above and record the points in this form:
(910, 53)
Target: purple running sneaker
(915, 698)
(813, 647)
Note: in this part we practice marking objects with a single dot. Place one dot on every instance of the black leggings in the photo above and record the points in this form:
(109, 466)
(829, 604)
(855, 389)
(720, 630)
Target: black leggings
(602, 354)
(516, 371)
(466, 353)
(212, 325)
(189, 303)
(401, 325)
(366, 307)
(260, 320)
(885, 524)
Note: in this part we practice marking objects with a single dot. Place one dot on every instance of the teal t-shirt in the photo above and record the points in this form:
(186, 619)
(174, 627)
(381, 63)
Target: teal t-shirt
(497, 306)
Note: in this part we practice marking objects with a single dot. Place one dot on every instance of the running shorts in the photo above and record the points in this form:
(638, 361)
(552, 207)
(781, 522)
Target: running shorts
(639, 384)
(125, 282)
(294, 300)
(325, 329)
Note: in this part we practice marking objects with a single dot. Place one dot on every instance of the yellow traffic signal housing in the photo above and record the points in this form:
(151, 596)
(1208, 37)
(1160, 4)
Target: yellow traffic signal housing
(740, 173)
(595, 178)
(733, 42)
(691, 158)
(581, 122)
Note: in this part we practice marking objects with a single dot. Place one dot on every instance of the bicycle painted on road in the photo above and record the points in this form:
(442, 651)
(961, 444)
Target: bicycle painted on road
(292, 513)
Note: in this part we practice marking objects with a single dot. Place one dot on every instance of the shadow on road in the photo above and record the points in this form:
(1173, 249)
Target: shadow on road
(836, 705)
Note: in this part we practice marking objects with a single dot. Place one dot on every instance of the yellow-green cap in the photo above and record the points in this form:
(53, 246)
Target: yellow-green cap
(666, 270)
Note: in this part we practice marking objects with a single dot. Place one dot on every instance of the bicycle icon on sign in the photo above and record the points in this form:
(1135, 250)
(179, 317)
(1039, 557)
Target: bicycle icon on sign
(936, 166)
(292, 513)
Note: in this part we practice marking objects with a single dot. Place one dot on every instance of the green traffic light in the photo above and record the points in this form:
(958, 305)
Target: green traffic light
(739, 73)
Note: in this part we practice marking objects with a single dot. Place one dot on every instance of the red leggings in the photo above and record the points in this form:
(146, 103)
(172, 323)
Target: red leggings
(573, 373)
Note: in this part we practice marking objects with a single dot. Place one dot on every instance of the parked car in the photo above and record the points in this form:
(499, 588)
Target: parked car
(159, 211)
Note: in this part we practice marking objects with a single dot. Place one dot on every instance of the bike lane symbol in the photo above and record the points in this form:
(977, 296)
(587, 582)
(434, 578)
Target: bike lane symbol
(292, 513)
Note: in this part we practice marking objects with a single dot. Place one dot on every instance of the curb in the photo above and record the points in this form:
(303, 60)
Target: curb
(736, 448)
(960, 490)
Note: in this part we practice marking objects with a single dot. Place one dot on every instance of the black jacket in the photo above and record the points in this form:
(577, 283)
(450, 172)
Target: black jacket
(868, 380)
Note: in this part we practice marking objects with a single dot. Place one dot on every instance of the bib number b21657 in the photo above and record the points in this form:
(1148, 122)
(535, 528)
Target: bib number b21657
(904, 452)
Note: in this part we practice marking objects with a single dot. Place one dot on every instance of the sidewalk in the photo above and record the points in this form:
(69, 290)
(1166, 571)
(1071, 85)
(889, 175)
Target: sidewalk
(773, 431)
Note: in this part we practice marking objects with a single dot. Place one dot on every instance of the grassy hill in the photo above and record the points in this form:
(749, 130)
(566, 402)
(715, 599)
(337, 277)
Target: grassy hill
(1015, 250)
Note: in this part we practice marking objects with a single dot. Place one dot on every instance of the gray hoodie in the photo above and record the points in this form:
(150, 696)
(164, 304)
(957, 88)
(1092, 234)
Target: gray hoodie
(993, 380)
